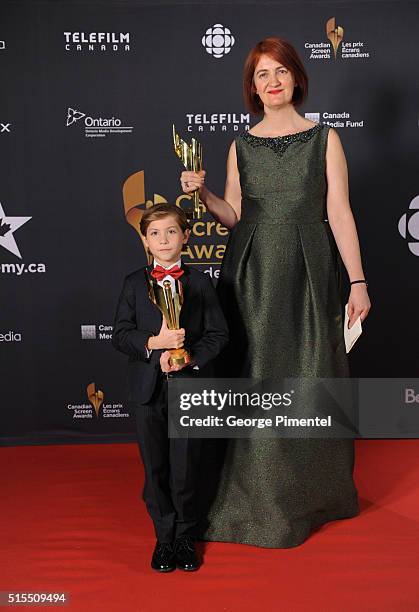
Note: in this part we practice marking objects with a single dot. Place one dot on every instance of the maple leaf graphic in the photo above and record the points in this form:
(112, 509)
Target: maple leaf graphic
(4, 228)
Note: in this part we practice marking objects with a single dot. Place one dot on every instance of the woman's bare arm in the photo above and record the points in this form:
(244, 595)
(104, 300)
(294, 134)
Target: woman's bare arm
(342, 223)
(226, 211)
(339, 211)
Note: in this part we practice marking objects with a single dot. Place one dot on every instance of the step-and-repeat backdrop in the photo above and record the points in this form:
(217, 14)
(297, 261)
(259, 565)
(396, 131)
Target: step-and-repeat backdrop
(89, 95)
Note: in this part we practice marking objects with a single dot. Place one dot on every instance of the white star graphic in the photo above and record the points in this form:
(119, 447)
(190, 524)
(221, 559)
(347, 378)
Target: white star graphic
(8, 225)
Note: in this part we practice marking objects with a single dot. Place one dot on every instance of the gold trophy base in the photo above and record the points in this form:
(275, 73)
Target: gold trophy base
(179, 357)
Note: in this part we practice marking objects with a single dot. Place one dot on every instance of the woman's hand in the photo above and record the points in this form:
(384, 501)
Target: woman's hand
(358, 304)
(191, 181)
(224, 210)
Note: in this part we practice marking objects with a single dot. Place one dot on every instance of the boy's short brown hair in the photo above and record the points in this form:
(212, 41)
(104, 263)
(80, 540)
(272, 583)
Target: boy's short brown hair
(160, 211)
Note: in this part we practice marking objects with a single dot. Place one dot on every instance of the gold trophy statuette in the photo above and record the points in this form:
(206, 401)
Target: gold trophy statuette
(95, 397)
(191, 157)
(334, 34)
(170, 306)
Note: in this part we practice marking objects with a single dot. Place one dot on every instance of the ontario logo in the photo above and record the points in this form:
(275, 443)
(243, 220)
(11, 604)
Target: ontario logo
(97, 127)
(73, 116)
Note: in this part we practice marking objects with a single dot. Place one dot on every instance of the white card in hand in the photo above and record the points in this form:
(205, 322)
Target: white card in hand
(351, 335)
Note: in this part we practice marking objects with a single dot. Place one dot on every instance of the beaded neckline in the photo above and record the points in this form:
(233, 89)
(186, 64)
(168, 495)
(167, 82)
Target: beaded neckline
(279, 144)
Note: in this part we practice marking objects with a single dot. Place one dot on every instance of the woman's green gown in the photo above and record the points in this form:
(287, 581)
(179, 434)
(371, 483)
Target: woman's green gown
(280, 291)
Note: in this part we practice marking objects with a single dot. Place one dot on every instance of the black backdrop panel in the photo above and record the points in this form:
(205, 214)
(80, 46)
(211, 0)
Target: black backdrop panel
(79, 118)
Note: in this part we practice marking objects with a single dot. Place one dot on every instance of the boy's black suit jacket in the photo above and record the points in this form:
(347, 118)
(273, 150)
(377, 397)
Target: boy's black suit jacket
(137, 318)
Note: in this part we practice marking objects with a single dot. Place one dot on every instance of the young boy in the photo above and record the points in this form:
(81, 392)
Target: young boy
(141, 332)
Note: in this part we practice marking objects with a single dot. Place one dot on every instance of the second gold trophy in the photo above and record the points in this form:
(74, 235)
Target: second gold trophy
(191, 157)
(169, 303)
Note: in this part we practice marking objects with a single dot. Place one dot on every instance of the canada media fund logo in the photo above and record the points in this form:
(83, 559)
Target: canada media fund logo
(96, 332)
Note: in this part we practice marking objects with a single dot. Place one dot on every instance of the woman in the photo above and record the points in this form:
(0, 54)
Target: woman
(286, 203)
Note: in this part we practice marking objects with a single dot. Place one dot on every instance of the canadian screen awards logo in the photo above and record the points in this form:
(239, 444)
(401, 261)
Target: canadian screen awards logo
(409, 226)
(97, 127)
(97, 41)
(337, 47)
(95, 397)
(218, 41)
(97, 406)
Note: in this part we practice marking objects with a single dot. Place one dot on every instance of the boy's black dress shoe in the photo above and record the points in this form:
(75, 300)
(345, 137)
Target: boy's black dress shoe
(163, 559)
(185, 553)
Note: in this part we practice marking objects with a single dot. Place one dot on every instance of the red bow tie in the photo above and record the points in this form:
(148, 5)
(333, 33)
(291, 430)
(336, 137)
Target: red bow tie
(159, 272)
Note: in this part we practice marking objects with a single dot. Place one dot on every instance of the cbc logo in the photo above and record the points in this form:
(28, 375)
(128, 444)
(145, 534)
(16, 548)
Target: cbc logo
(218, 40)
(409, 226)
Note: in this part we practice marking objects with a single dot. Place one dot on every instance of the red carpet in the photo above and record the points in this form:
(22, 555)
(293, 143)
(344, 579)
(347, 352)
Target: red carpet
(72, 521)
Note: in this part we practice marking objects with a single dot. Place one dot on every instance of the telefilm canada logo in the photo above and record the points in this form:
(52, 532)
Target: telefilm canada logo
(96, 407)
(97, 41)
(207, 243)
(409, 226)
(96, 332)
(335, 120)
(8, 227)
(337, 46)
(218, 41)
(217, 122)
(97, 127)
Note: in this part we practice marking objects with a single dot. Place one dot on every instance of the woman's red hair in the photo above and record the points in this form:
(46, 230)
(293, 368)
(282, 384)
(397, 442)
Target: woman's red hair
(283, 52)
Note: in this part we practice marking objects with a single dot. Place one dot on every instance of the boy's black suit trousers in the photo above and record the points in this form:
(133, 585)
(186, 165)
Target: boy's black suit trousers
(170, 466)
